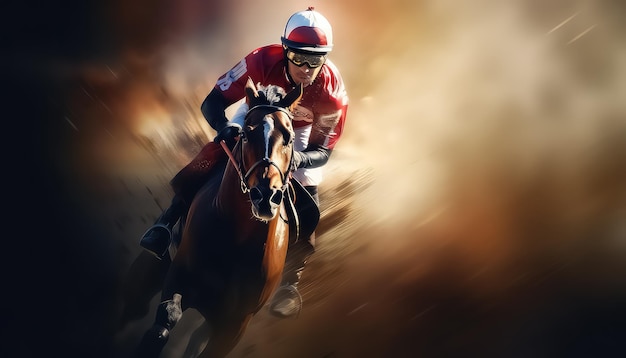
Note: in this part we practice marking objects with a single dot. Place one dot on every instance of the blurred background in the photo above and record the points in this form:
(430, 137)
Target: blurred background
(475, 206)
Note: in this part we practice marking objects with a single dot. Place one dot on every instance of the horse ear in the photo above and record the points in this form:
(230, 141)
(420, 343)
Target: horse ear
(292, 98)
(250, 89)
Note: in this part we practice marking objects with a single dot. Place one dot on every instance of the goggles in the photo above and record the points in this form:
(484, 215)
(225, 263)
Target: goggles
(312, 60)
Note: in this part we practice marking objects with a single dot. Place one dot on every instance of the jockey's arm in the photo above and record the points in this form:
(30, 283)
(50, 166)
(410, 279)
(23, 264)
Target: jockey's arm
(213, 108)
(317, 153)
(312, 156)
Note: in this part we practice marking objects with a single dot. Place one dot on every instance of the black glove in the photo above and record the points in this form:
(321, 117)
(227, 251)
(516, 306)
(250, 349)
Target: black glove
(228, 134)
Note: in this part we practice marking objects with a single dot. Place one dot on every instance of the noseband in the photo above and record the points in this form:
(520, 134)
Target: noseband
(265, 162)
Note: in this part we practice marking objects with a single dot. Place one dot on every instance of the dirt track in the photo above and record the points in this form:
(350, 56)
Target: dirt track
(495, 277)
(475, 206)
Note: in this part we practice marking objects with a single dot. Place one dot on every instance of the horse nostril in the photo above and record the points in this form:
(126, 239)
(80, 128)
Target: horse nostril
(255, 194)
(277, 197)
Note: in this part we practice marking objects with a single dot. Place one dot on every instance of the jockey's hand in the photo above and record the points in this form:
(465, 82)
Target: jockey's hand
(296, 161)
(228, 134)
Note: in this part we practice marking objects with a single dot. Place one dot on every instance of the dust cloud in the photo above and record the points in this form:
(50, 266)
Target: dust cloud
(475, 206)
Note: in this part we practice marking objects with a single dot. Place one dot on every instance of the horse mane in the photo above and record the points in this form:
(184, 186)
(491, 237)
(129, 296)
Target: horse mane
(271, 94)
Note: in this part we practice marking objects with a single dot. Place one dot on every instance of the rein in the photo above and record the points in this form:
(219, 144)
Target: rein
(265, 161)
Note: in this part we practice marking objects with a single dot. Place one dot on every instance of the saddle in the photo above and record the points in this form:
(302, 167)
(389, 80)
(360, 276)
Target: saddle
(188, 181)
(302, 211)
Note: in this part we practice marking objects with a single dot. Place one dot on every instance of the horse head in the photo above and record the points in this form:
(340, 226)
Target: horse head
(267, 146)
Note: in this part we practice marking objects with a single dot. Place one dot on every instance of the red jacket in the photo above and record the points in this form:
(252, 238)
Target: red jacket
(325, 98)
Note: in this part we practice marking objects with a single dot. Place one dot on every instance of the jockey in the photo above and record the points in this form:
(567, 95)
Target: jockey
(319, 118)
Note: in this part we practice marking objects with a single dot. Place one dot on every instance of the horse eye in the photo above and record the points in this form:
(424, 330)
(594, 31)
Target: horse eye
(288, 138)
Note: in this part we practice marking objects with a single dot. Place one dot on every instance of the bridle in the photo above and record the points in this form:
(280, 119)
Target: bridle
(265, 162)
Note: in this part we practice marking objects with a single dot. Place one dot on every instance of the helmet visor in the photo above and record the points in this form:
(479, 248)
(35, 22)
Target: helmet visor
(312, 60)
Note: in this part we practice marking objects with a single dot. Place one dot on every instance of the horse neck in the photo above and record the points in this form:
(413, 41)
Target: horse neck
(233, 203)
(230, 196)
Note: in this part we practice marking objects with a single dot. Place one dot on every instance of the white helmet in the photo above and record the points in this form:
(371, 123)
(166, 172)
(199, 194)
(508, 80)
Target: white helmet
(308, 31)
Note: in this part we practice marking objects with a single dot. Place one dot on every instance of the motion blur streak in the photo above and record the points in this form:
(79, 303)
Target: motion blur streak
(476, 205)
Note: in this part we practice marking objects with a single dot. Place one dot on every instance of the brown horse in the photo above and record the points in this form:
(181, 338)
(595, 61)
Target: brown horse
(235, 237)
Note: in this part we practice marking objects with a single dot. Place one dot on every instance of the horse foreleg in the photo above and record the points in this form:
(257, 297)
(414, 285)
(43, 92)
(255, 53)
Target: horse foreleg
(198, 340)
(142, 282)
(225, 337)
(168, 314)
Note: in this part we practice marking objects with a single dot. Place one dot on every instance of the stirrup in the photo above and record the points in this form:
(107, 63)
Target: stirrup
(156, 240)
(287, 302)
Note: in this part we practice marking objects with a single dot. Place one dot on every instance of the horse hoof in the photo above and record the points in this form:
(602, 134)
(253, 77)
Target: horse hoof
(286, 303)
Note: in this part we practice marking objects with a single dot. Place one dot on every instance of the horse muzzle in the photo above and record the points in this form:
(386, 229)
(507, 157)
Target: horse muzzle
(265, 202)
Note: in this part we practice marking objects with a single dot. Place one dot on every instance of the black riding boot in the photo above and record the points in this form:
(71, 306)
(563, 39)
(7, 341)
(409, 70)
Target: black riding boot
(158, 237)
(287, 301)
